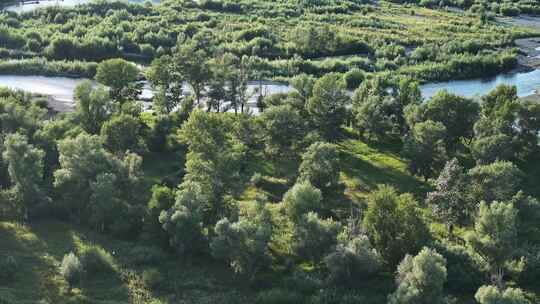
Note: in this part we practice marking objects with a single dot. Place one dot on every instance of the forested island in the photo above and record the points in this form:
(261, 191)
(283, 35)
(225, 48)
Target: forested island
(180, 172)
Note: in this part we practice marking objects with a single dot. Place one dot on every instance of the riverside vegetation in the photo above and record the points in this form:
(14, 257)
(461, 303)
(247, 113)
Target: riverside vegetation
(324, 196)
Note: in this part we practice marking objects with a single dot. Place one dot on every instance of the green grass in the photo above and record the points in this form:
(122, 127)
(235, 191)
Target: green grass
(40, 247)
(366, 166)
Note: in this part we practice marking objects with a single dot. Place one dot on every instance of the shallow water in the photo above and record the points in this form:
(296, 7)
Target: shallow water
(61, 88)
(526, 84)
(21, 8)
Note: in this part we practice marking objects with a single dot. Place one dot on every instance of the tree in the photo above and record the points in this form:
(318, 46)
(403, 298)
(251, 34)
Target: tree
(352, 259)
(301, 199)
(320, 166)
(195, 69)
(215, 157)
(420, 279)
(425, 148)
(327, 105)
(236, 77)
(314, 237)
(120, 76)
(25, 168)
(18, 117)
(489, 149)
(165, 76)
(303, 84)
(528, 215)
(183, 222)
(82, 160)
(244, 244)
(354, 78)
(375, 115)
(500, 104)
(408, 92)
(283, 131)
(93, 106)
(450, 202)
(498, 181)
(393, 224)
(492, 295)
(455, 113)
(71, 269)
(494, 238)
(122, 133)
(217, 87)
(162, 199)
(104, 203)
(529, 126)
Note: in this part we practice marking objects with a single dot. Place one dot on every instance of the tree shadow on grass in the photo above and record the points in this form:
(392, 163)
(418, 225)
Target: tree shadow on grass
(364, 170)
(59, 239)
(37, 277)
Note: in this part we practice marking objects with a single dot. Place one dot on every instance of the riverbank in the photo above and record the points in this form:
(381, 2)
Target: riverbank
(51, 68)
(529, 48)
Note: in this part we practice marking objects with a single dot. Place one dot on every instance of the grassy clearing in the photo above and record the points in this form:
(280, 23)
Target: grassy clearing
(364, 167)
(40, 247)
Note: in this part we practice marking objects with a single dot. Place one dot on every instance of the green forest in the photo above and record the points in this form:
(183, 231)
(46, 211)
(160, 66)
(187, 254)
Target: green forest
(348, 188)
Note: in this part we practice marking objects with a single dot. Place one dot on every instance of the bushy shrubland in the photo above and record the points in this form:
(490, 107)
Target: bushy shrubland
(8, 267)
(152, 278)
(71, 269)
(97, 261)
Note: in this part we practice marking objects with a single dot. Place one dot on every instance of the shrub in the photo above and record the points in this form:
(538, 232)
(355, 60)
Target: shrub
(340, 296)
(96, 260)
(353, 261)
(353, 78)
(315, 237)
(146, 255)
(303, 282)
(71, 269)
(463, 271)
(279, 296)
(148, 50)
(152, 278)
(256, 179)
(8, 267)
(6, 296)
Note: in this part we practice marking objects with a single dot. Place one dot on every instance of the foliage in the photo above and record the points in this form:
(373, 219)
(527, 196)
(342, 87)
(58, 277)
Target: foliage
(420, 278)
(491, 295)
(320, 166)
(494, 238)
(283, 130)
(425, 148)
(152, 278)
(25, 168)
(8, 268)
(352, 260)
(327, 105)
(96, 260)
(450, 202)
(314, 237)
(278, 295)
(244, 244)
(393, 224)
(301, 199)
(183, 222)
(119, 75)
(147, 255)
(122, 133)
(71, 269)
(498, 181)
(93, 106)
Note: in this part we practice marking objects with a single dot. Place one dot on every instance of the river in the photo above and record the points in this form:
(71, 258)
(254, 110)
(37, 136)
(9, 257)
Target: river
(22, 8)
(61, 88)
